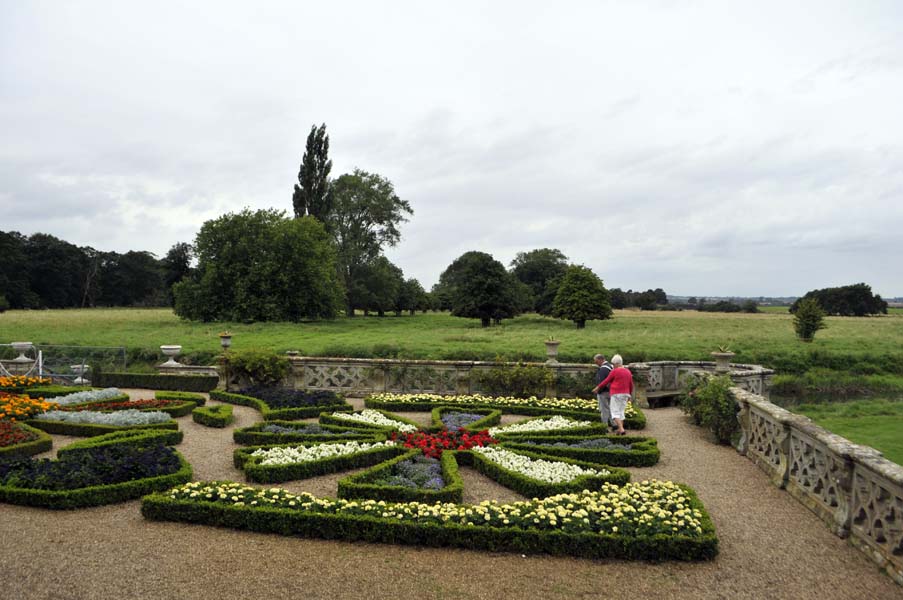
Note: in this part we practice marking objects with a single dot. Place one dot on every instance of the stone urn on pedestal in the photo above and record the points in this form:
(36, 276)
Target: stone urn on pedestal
(722, 358)
(80, 371)
(552, 351)
(171, 351)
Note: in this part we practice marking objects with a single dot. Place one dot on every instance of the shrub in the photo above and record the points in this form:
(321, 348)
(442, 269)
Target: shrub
(808, 319)
(198, 399)
(620, 451)
(520, 381)
(152, 381)
(269, 414)
(213, 416)
(294, 431)
(709, 402)
(262, 368)
(245, 459)
(18, 440)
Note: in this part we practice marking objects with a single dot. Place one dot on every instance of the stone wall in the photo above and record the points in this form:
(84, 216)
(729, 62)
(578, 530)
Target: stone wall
(853, 488)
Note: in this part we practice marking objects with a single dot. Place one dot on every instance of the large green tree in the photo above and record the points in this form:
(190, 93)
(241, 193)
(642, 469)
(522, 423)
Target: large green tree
(538, 268)
(261, 266)
(479, 288)
(365, 220)
(581, 297)
(176, 267)
(854, 300)
(14, 281)
(312, 196)
(378, 286)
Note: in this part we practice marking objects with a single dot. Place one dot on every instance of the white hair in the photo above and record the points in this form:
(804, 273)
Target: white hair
(617, 360)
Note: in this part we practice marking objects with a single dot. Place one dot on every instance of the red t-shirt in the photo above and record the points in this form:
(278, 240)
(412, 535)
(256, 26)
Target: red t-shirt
(620, 380)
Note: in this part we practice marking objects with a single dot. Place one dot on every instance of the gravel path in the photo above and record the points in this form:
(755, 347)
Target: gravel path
(771, 546)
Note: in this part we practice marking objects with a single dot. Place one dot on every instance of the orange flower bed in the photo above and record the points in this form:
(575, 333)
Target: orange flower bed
(21, 381)
(20, 406)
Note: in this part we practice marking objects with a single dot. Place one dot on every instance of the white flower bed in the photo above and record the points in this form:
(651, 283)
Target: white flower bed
(542, 470)
(552, 423)
(87, 396)
(119, 418)
(300, 454)
(374, 417)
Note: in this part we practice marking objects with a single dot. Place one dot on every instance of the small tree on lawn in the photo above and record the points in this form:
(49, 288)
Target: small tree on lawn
(581, 297)
(479, 287)
(808, 319)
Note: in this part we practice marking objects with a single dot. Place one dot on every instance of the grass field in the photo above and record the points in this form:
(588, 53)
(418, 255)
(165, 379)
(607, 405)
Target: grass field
(765, 338)
(875, 423)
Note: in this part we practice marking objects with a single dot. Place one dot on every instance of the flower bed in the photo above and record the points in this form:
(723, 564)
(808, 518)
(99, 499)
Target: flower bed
(617, 451)
(47, 391)
(369, 418)
(453, 418)
(139, 438)
(18, 383)
(435, 444)
(213, 416)
(270, 413)
(92, 476)
(648, 521)
(280, 432)
(174, 408)
(554, 423)
(570, 407)
(412, 477)
(88, 423)
(104, 395)
(19, 440)
(522, 471)
(19, 406)
(198, 399)
(274, 464)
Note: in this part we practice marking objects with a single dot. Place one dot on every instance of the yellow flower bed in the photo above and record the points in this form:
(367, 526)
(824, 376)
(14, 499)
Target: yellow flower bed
(578, 404)
(21, 406)
(21, 381)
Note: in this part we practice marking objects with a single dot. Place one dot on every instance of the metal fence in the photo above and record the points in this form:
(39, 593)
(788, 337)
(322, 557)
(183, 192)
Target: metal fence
(62, 364)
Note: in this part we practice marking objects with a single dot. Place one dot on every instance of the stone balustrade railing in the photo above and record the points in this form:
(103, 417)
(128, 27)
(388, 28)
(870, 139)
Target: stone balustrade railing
(855, 490)
(664, 377)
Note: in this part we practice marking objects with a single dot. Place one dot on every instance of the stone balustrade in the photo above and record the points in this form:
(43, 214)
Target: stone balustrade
(855, 490)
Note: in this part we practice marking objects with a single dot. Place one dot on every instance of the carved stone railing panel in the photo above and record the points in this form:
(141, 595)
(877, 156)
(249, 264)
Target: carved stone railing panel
(877, 522)
(820, 479)
(654, 381)
(337, 377)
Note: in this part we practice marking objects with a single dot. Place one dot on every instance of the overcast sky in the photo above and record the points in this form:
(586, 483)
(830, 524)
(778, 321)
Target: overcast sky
(708, 148)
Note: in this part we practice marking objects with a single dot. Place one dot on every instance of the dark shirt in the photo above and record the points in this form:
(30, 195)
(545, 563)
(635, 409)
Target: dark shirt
(603, 371)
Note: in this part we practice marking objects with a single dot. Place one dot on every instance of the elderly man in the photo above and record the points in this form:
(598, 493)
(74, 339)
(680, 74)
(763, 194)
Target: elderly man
(602, 394)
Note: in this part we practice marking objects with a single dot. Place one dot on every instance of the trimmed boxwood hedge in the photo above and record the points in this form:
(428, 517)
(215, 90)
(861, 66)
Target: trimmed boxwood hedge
(198, 399)
(644, 451)
(51, 391)
(264, 519)
(289, 472)
(255, 435)
(213, 416)
(327, 419)
(493, 417)
(133, 437)
(361, 486)
(533, 488)
(636, 422)
(153, 381)
(42, 443)
(90, 429)
(270, 414)
(98, 494)
(173, 410)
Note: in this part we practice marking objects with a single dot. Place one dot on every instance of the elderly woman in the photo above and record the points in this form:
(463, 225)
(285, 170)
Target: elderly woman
(620, 382)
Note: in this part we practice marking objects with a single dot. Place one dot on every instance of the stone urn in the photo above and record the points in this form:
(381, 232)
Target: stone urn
(171, 351)
(22, 348)
(552, 351)
(80, 371)
(722, 360)
(225, 340)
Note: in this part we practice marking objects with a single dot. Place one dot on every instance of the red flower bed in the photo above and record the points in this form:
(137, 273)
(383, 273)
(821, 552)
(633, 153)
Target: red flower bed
(11, 434)
(432, 444)
(123, 405)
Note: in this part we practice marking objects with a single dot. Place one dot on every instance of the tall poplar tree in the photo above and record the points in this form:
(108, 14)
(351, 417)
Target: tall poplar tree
(313, 194)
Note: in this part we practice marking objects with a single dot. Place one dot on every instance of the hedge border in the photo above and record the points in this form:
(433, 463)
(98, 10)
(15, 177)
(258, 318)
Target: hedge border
(293, 471)
(49, 391)
(644, 452)
(328, 419)
(533, 488)
(90, 429)
(154, 381)
(591, 427)
(198, 399)
(636, 422)
(129, 437)
(43, 443)
(264, 519)
(360, 486)
(254, 435)
(270, 414)
(493, 417)
(174, 410)
(213, 416)
(117, 398)
(96, 495)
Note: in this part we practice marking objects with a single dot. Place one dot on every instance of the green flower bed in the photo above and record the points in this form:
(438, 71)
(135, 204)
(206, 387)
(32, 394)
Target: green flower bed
(198, 399)
(213, 416)
(362, 485)
(271, 414)
(644, 451)
(603, 524)
(277, 473)
(493, 417)
(534, 488)
(255, 434)
(40, 442)
(577, 408)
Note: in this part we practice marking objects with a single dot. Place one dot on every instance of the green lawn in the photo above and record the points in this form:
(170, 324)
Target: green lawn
(875, 423)
(766, 338)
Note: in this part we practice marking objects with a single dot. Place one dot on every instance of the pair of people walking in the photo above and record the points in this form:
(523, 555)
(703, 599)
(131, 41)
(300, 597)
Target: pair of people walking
(614, 386)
